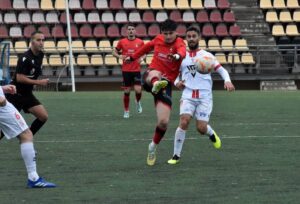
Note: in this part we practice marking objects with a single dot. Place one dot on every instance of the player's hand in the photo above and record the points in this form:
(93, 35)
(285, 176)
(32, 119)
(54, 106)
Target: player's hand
(180, 85)
(11, 89)
(44, 82)
(174, 56)
(122, 57)
(229, 86)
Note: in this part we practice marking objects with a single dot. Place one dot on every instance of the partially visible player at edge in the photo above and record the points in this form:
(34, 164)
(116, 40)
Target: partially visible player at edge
(196, 100)
(131, 71)
(13, 125)
(169, 51)
(28, 70)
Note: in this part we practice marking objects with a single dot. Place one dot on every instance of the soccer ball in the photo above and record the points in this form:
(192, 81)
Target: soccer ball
(204, 64)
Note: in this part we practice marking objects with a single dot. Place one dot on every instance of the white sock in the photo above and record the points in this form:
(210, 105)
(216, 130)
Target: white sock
(210, 131)
(28, 155)
(152, 146)
(178, 141)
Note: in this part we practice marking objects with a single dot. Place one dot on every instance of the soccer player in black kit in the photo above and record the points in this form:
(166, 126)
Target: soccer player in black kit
(28, 70)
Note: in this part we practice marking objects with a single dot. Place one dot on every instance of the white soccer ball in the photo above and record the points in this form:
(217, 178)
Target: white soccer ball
(204, 64)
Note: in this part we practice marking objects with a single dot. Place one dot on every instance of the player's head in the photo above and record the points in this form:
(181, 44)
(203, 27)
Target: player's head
(168, 29)
(193, 37)
(37, 41)
(131, 30)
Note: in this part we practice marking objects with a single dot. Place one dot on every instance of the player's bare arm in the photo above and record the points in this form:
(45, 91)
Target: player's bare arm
(11, 89)
(21, 78)
(117, 54)
(229, 86)
(2, 101)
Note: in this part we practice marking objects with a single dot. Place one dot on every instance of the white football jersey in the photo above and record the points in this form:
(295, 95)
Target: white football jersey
(193, 79)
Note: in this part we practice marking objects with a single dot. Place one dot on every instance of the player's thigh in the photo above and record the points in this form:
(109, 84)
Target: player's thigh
(203, 110)
(26, 136)
(151, 74)
(39, 111)
(187, 107)
(163, 112)
(127, 80)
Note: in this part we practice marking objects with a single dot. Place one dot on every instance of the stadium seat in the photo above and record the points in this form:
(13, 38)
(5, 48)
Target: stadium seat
(105, 46)
(5, 5)
(1, 19)
(74, 31)
(284, 40)
(45, 63)
(52, 18)
(209, 4)
(99, 31)
(15, 32)
(142, 4)
(161, 16)
(38, 18)
(181, 30)
(265, 4)
(247, 58)
(214, 45)
(196, 4)
(115, 4)
(223, 4)
(292, 4)
(129, 4)
(202, 44)
(202, 16)
(91, 46)
(235, 31)
(221, 30)
(62, 46)
(47, 5)
(176, 16)
(83, 60)
(148, 17)
(96, 60)
(58, 31)
(227, 44)
(124, 31)
(24, 18)
(208, 30)
(102, 4)
(19, 4)
(33, 5)
(28, 30)
(292, 30)
(279, 4)
(183, 4)
(89, 71)
(241, 45)
(188, 16)
(153, 30)
(113, 31)
(45, 30)
(215, 16)
(156, 4)
(271, 16)
(221, 57)
(74, 5)
(107, 17)
(228, 17)
(10, 18)
(296, 16)
(169, 4)
(278, 30)
(121, 17)
(233, 58)
(80, 18)
(49, 46)
(86, 31)
(93, 18)
(141, 31)
(285, 16)
(134, 17)
(63, 18)
(3, 31)
(77, 46)
(21, 46)
(115, 43)
(110, 60)
(13, 60)
(59, 5)
(88, 5)
(55, 60)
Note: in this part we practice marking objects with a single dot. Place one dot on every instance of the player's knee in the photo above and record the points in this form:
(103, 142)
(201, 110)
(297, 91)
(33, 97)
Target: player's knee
(184, 123)
(43, 117)
(163, 123)
(26, 136)
(202, 129)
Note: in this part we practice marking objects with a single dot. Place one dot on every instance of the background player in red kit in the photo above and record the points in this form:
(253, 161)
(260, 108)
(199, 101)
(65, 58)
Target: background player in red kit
(131, 71)
(169, 51)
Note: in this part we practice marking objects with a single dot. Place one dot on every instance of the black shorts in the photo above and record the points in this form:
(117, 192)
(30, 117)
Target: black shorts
(23, 102)
(131, 78)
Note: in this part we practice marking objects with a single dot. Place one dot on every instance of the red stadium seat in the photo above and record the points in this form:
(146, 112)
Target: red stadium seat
(202, 17)
(141, 31)
(153, 30)
(221, 30)
(223, 4)
(28, 30)
(74, 31)
(181, 30)
(176, 16)
(45, 30)
(235, 31)
(229, 17)
(124, 31)
(115, 4)
(99, 31)
(3, 31)
(63, 18)
(113, 31)
(58, 32)
(215, 16)
(148, 17)
(5, 5)
(208, 30)
(88, 5)
(85, 31)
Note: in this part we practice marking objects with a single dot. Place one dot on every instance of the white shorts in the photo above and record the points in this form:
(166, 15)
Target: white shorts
(200, 108)
(12, 122)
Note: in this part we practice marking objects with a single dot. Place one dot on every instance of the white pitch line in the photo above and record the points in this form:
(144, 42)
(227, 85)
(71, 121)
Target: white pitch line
(168, 139)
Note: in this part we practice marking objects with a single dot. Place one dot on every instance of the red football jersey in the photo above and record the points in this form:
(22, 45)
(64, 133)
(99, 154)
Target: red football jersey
(161, 62)
(128, 47)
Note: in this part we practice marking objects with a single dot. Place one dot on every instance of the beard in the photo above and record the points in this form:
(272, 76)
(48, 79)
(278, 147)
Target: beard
(193, 47)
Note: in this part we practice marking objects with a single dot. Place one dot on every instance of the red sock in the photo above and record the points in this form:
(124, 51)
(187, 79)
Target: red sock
(138, 96)
(154, 79)
(126, 101)
(158, 135)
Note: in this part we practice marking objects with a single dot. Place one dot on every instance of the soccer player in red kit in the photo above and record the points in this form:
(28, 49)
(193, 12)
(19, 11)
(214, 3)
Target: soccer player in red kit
(131, 71)
(169, 51)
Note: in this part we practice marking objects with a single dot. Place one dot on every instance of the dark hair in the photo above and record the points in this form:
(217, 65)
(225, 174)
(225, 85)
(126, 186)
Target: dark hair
(168, 25)
(193, 28)
(36, 32)
(130, 25)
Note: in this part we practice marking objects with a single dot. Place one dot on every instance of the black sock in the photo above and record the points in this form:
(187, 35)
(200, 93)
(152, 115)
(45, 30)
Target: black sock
(36, 125)
(1, 135)
(175, 157)
(212, 138)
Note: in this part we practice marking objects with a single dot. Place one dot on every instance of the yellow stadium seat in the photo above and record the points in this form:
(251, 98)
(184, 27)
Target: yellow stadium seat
(91, 46)
(105, 46)
(183, 4)
(83, 60)
(156, 4)
(285, 16)
(13, 60)
(110, 60)
(292, 30)
(96, 60)
(66, 60)
(60, 5)
(20, 46)
(233, 58)
(115, 43)
(142, 4)
(277, 30)
(227, 44)
(247, 58)
(47, 5)
(279, 4)
(241, 45)
(221, 57)
(214, 44)
(265, 4)
(169, 4)
(202, 44)
(77, 46)
(49, 46)
(55, 60)
(45, 61)
(271, 17)
(292, 4)
(196, 4)
(62, 46)
(296, 16)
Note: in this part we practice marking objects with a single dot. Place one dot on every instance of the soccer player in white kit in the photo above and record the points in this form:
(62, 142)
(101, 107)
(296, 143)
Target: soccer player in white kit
(13, 125)
(196, 100)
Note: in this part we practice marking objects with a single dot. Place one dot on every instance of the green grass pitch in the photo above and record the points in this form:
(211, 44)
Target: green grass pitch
(96, 156)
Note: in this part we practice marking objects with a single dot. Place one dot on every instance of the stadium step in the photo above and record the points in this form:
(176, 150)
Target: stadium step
(287, 85)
